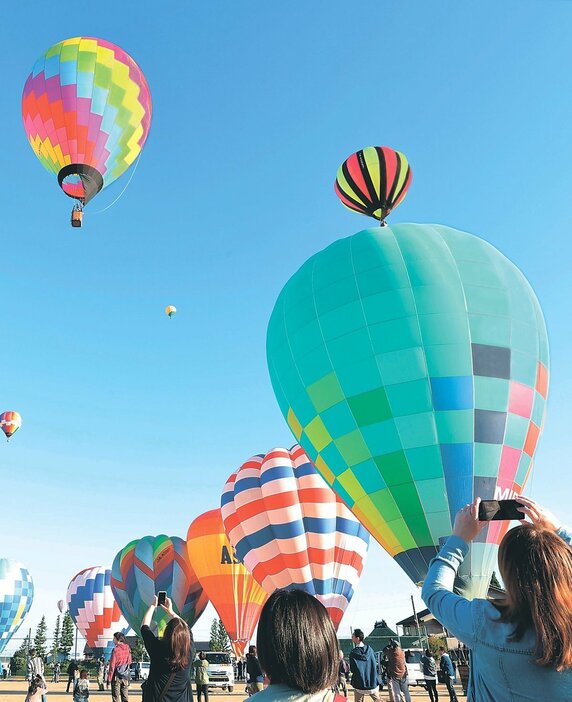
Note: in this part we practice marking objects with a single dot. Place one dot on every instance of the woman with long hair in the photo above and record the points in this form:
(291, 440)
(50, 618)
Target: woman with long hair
(298, 649)
(169, 672)
(521, 647)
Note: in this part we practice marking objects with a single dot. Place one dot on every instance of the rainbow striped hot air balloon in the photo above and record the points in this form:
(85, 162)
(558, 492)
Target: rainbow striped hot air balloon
(151, 564)
(292, 531)
(16, 596)
(10, 422)
(234, 593)
(373, 181)
(86, 110)
(93, 608)
(411, 362)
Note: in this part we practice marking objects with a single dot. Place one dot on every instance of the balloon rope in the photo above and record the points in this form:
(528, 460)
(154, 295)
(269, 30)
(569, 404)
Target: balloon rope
(124, 189)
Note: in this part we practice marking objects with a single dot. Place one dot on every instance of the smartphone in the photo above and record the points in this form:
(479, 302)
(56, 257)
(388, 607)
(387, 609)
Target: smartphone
(496, 510)
(161, 597)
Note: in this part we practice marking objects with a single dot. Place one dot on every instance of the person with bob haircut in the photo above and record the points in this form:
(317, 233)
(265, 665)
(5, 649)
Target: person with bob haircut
(521, 647)
(169, 672)
(298, 649)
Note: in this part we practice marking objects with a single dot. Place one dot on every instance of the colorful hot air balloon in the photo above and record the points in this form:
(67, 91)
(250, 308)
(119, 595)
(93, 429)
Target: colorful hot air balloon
(234, 593)
(292, 531)
(86, 109)
(94, 610)
(16, 595)
(151, 564)
(170, 310)
(373, 181)
(411, 363)
(10, 422)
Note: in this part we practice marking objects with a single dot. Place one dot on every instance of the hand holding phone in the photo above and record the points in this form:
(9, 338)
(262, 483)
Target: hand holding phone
(161, 598)
(499, 510)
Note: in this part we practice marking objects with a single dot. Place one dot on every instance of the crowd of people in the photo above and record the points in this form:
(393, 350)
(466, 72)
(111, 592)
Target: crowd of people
(520, 647)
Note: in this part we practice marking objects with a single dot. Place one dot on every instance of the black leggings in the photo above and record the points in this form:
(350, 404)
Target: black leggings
(202, 690)
(432, 690)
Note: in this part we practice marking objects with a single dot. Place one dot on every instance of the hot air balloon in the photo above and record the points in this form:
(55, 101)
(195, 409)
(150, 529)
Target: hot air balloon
(86, 110)
(411, 362)
(234, 593)
(94, 610)
(170, 310)
(10, 422)
(16, 595)
(151, 564)
(292, 531)
(62, 606)
(373, 181)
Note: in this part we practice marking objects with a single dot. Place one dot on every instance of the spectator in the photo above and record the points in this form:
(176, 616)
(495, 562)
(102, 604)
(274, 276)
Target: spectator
(363, 667)
(169, 672)
(119, 671)
(37, 689)
(35, 669)
(298, 648)
(255, 677)
(56, 669)
(101, 674)
(81, 687)
(72, 672)
(448, 671)
(240, 669)
(343, 672)
(430, 674)
(521, 648)
(201, 666)
(397, 681)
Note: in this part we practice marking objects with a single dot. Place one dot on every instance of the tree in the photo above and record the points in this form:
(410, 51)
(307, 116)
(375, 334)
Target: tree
(219, 640)
(20, 658)
(41, 637)
(495, 581)
(67, 635)
(56, 641)
(139, 652)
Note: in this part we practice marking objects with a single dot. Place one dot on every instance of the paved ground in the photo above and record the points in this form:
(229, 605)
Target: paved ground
(16, 689)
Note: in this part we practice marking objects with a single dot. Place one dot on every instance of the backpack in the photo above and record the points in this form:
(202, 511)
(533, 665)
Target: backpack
(123, 671)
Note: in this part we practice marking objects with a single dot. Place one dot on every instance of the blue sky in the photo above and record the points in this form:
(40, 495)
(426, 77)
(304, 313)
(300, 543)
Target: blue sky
(132, 422)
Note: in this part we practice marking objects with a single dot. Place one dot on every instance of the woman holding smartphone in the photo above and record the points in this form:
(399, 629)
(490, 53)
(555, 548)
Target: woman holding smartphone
(521, 648)
(169, 672)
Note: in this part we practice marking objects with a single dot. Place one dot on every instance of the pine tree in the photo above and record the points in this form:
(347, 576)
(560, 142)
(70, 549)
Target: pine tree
(20, 658)
(66, 638)
(41, 637)
(219, 640)
(138, 651)
(495, 581)
(56, 641)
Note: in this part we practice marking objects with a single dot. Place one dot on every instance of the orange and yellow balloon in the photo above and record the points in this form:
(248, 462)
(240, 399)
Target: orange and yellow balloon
(234, 593)
(170, 310)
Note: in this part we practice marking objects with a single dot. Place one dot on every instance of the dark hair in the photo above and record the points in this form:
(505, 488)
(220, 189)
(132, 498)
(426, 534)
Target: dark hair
(428, 653)
(297, 642)
(536, 566)
(177, 643)
(358, 633)
(83, 674)
(252, 650)
(119, 636)
(36, 684)
(202, 655)
(442, 648)
(32, 652)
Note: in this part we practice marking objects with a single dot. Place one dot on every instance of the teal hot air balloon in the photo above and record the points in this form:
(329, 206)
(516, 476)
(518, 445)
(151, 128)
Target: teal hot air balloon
(16, 596)
(411, 363)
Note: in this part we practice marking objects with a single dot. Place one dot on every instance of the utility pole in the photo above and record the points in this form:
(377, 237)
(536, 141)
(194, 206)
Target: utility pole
(417, 623)
(75, 648)
(28, 650)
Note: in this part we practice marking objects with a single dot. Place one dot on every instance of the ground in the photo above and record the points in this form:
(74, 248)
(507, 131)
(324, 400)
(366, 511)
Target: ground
(17, 688)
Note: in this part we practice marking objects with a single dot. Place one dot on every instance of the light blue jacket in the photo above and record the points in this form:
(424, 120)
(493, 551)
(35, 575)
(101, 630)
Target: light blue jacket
(501, 670)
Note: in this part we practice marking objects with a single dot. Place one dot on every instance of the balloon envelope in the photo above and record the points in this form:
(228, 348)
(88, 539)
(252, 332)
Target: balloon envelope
(86, 110)
(234, 593)
(170, 310)
(151, 564)
(411, 362)
(62, 605)
(373, 181)
(16, 596)
(292, 531)
(10, 422)
(94, 610)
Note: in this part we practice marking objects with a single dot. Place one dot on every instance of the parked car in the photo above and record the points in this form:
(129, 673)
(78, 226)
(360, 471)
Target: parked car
(143, 673)
(221, 670)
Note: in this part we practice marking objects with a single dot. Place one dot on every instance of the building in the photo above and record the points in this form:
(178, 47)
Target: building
(379, 638)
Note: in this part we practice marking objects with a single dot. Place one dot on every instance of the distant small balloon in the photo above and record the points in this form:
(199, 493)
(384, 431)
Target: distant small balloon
(10, 422)
(170, 310)
(61, 605)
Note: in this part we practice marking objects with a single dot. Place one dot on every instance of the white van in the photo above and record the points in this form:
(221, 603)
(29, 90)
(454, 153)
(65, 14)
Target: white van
(412, 661)
(221, 670)
(142, 673)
